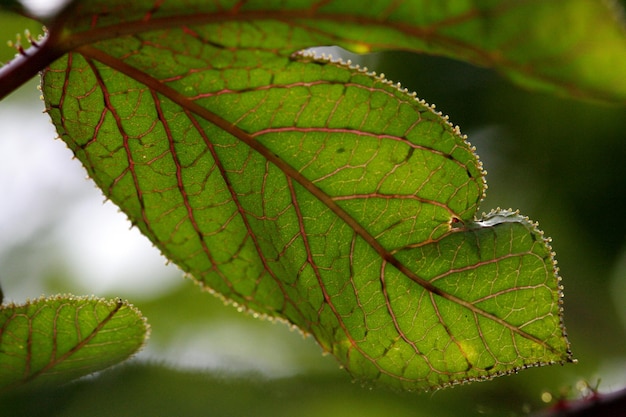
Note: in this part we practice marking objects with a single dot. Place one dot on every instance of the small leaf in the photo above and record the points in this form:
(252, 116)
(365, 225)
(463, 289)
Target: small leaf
(54, 340)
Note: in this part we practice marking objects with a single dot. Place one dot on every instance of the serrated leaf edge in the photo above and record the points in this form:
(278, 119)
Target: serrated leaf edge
(118, 302)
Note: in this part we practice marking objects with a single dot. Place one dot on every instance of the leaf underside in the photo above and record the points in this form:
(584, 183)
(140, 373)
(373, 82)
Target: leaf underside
(314, 192)
(574, 48)
(54, 340)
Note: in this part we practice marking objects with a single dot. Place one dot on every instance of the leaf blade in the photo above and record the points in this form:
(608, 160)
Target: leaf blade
(56, 339)
(302, 189)
(301, 215)
(584, 61)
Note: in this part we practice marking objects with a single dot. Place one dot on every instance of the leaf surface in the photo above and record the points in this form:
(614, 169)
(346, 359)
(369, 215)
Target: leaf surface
(54, 340)
(576, 48)
(310, 191)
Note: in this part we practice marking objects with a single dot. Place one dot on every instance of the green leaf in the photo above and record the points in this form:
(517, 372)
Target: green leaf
(576, 48)
(54, 340)
(307, 190)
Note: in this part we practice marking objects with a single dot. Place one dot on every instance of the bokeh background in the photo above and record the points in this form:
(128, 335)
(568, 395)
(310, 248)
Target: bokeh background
(561, 162)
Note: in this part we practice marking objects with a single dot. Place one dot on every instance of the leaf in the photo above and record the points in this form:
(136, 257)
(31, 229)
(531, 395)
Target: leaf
(54, 340)
(575, 48)
(310, 191)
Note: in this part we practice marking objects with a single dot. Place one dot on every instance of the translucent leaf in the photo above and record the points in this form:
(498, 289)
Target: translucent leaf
(307, 190)
(575, 48)
(54, 340)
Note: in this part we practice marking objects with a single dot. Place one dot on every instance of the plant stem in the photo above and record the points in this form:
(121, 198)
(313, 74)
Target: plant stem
(597, 405)
(27, 64)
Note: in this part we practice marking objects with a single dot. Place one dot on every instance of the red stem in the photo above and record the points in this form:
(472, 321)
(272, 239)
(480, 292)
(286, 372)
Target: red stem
(598, 405)
(27, 64)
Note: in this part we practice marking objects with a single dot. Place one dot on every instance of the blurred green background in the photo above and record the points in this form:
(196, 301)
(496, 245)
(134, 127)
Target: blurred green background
(561, 162)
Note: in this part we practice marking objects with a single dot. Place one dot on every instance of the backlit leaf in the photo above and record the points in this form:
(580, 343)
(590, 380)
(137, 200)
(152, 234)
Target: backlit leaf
(307, 190)
(575, 48)
(54, 340)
